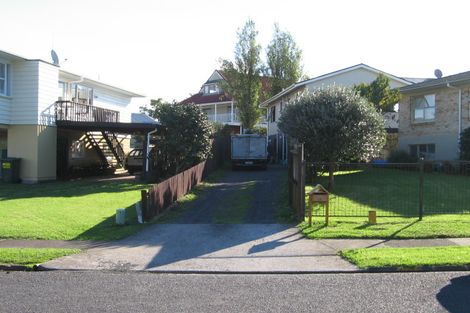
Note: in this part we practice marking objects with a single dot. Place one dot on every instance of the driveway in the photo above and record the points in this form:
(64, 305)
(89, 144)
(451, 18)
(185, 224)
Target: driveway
(255, 194)
(231, 227)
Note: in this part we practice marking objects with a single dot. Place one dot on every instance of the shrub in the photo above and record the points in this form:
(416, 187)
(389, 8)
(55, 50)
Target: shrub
(401, 156)
(465, 144)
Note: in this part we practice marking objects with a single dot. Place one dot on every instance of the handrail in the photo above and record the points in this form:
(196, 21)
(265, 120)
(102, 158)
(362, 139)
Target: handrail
(66, 110)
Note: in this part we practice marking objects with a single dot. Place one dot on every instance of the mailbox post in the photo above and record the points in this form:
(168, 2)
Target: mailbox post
(318, 195)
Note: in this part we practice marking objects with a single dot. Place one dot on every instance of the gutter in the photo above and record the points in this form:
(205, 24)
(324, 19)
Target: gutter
(459, 110)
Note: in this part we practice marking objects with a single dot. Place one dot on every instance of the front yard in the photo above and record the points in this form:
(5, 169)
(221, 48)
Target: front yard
(82, 209)
(29, 257)
(393, 194)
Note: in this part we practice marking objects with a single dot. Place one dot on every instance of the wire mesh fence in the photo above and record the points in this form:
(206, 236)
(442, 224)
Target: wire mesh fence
(392, 190)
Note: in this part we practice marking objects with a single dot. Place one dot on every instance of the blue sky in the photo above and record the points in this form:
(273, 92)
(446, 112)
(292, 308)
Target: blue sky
(169, 48)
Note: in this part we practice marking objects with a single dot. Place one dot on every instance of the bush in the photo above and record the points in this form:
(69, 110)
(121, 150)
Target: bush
(465, 144)
(401, 156)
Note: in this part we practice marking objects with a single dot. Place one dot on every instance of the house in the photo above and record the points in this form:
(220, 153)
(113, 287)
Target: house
(217, 104)
(360, 73)
(433, 114)
(55, 120)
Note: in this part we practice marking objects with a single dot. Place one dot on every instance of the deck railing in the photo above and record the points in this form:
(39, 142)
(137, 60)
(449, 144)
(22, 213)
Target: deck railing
(77, 112)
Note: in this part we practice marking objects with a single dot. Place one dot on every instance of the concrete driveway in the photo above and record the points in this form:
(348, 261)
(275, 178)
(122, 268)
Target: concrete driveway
(211, 248)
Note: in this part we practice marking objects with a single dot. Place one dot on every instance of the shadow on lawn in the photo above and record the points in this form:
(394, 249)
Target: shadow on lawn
(395, 192)
(62, 189)
(108, 230)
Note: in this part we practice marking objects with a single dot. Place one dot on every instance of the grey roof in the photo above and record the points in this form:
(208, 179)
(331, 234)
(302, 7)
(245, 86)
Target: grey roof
(460, 78)
(142, 118)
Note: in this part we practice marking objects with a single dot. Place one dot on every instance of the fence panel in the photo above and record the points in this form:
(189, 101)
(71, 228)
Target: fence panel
(394, 189)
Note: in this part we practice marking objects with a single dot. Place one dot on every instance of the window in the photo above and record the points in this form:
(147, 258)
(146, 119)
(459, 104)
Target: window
(211, 89)
(4, 79)
(78, 149)
(426, 151)
(423, 108)
(273, 114)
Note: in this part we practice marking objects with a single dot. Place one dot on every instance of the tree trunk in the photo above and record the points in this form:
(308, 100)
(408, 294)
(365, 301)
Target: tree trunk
(331, 176)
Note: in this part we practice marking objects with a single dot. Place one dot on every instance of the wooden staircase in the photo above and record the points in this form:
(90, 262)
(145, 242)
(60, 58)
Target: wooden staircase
(108, 146)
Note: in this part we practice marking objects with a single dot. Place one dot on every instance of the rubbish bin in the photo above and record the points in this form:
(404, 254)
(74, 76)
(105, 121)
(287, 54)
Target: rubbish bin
(11, 170)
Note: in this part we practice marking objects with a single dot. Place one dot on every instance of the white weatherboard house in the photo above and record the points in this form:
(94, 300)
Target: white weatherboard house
(348, 77)
(55, 120)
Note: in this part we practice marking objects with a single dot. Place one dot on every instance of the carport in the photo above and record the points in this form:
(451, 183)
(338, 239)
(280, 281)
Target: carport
(99, 132)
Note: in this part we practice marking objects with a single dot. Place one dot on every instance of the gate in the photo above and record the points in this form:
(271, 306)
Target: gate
(296, 180)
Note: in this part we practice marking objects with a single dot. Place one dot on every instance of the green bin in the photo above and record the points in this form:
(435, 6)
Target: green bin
(10, 170)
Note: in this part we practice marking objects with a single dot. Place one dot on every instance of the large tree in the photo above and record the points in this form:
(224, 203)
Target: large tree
(243, 81)
(186, 139)
(335, 124)
(379, 93)
(283, 61)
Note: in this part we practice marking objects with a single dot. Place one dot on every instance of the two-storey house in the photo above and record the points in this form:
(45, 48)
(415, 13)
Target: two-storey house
(348, 77)
(218, 105)
(54, 120)
(433, 114)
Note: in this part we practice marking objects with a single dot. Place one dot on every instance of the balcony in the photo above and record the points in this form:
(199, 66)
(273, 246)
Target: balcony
(77, 112)
(223, 118)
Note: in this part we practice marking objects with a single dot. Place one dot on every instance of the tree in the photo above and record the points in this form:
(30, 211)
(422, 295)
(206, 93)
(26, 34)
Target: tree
(151, 110)
(335, 124)
(379, 93)
(243, 81)
(283, 61)
(186, 139)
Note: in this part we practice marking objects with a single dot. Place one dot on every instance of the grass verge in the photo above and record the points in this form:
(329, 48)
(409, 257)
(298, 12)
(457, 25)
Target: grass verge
(82, 209)
(30, 256)
(439, 226)
(408, 257)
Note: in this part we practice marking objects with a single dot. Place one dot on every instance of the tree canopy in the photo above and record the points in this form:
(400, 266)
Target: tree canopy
(335, 124)
(186, 140)
(243, 81)
(283, 61)
(379, 93)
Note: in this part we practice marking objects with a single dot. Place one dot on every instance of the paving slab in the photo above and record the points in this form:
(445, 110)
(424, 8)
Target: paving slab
(211, 248)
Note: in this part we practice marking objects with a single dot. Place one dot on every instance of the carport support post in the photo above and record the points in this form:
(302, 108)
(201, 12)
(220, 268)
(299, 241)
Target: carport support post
(145, 156)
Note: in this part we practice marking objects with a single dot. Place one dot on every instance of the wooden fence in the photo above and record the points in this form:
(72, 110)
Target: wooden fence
(160, 196)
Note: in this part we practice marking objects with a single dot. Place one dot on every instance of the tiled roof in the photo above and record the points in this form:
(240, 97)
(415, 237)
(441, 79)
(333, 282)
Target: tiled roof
(199, 98)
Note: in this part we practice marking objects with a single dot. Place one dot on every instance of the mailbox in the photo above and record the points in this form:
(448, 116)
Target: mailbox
(320, 195)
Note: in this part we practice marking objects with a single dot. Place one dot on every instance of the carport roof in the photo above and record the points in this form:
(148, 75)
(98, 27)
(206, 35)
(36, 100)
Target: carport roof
(123, 128)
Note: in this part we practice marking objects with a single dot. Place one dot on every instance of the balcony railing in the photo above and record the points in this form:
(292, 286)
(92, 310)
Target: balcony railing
(223, 118)
(77, 112)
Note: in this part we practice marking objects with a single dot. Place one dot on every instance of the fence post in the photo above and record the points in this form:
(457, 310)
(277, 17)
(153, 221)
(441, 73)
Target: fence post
(144, 204)
(421, 188)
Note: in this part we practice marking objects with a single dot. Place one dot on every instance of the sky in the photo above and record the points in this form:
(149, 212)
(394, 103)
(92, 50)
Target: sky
(168, 49)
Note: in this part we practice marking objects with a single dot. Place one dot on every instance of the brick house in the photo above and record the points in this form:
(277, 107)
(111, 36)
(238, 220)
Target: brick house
(432, 116)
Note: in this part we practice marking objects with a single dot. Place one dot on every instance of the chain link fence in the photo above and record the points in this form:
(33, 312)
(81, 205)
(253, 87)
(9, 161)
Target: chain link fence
(393, 190)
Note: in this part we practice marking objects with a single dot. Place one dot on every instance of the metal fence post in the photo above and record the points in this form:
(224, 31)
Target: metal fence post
(421, 189)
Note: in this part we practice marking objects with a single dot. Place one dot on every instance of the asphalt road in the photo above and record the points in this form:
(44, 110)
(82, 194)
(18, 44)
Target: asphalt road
(145, 292)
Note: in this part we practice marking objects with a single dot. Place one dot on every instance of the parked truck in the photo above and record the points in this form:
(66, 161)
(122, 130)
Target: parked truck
(249, 150)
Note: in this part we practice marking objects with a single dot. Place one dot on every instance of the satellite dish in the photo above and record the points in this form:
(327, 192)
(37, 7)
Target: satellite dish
(438, 73)
(55, 57)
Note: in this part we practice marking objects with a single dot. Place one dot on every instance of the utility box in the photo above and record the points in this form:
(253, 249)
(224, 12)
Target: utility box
(10, 168)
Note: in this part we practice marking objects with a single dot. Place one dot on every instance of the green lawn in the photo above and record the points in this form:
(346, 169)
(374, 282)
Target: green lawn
(29, 257)
(394, 192)
(438, 226)
(82, 209)
(408, 257)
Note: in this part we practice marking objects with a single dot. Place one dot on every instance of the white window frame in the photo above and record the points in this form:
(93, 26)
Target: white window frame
(6, 80)
(426, 105)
